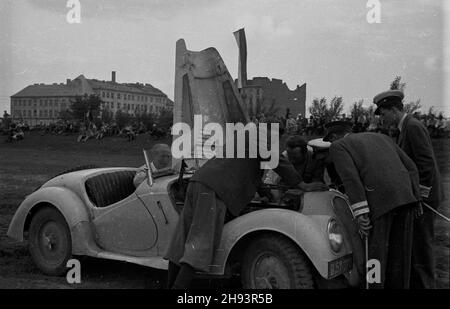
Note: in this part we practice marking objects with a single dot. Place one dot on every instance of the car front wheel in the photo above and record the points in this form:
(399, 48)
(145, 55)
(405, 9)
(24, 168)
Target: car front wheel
(274, 262)
(50, 243)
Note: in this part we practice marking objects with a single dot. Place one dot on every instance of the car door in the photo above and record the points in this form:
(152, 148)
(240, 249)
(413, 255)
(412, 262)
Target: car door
(159, 204)
(126, 227)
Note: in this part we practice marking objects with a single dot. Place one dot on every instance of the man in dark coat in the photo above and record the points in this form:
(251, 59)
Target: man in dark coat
(310, 169)
(382, 185)
(220, 185)
(415, 140)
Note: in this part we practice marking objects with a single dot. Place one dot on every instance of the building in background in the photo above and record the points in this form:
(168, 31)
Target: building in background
(42, 104)
(264, 95)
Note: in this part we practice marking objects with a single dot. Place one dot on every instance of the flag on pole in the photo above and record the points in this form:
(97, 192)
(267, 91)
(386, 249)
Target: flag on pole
(242, 45)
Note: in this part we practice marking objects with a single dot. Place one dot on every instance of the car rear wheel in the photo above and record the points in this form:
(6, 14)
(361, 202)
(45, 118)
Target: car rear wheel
(274, 262)
(50, 243)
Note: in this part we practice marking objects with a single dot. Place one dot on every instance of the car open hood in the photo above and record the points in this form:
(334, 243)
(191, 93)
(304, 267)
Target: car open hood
(203, 86)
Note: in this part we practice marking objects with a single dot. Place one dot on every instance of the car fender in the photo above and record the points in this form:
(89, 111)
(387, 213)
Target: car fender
(70, 206)
(308, 232)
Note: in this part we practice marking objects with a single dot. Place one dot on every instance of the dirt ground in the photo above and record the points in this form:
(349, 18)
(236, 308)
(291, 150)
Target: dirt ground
(27, 164)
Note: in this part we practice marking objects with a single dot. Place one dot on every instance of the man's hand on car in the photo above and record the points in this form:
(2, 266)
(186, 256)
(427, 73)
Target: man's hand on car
(418, 210)
(364, 225)
(313, 186)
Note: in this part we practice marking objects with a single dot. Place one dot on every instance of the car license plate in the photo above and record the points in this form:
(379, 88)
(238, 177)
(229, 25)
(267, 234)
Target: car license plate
(340, 266)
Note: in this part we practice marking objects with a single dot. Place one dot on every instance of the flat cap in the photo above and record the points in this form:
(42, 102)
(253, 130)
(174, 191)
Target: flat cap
(387, 98)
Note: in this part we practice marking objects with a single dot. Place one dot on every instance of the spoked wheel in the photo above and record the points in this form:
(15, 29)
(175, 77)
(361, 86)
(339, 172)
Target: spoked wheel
(50, 243)
(274, 262)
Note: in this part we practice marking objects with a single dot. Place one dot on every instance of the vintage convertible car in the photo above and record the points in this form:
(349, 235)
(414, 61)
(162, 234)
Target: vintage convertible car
(99, 213)
(304, 240)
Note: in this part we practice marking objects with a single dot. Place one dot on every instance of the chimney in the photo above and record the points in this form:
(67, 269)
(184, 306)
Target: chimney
(113, 76)
(68, 81)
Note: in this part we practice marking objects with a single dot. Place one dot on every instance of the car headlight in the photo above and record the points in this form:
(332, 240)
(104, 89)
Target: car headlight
(335, 235)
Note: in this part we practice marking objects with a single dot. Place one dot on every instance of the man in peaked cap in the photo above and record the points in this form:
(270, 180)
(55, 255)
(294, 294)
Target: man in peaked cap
(415, 141)
(388, 98)
(382, 185)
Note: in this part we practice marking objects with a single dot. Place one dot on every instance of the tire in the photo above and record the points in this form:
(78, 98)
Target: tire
(274, 262)
(50, 243)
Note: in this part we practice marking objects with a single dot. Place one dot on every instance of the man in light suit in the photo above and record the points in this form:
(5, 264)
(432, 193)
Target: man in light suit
(414, 139)
(382, 184)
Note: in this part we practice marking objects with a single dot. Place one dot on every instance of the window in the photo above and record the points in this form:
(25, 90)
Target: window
(118, 105)
(107, 94)
(118, 95)
(29, 102)
(103, 94)
(40, 102)
(40, 113)
(29, 114)
(112, 95)
(112, 105)
(35, 113)
(50, 113)
(146, 99)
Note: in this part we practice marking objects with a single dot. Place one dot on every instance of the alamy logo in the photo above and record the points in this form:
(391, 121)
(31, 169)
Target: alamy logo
(74, 273)
(74, 14)
(236, 140)
(374, 14)
(373, 271)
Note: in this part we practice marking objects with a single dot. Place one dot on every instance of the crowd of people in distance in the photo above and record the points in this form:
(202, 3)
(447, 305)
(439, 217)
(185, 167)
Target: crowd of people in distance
(437, 126)
(84, 130)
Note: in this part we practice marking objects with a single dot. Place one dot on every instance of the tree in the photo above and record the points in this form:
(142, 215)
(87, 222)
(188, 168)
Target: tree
(318, 108)
(358, 109)
(107, 116)
(165, 119)
(412, 107)
(86, 107)
(122, 119)
(147, 119)
(335, 109)
(397, 84)
(66, 115)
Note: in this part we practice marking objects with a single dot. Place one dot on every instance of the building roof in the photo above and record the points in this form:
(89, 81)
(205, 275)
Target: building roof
(42, 90)
(80, 85)
(128, 87)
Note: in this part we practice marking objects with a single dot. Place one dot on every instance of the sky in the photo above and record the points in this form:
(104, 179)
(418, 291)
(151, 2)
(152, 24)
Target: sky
(327, 44)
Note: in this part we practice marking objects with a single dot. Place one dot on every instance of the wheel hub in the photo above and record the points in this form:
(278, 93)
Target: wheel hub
(49, 242)
(270, 273)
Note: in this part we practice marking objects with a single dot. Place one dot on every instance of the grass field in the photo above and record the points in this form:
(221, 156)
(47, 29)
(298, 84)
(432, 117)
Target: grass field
(27, 164)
